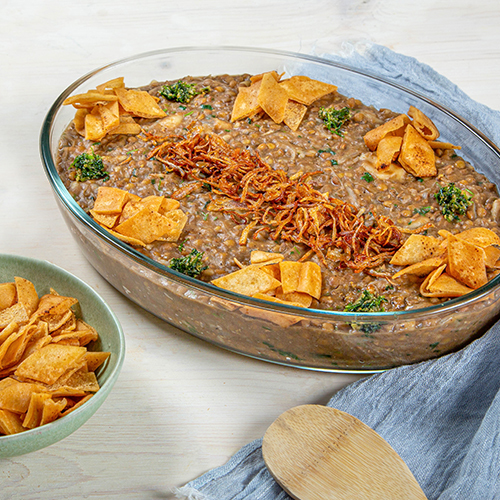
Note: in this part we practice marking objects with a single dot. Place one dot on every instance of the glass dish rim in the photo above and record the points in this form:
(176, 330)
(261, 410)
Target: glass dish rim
(211, 290)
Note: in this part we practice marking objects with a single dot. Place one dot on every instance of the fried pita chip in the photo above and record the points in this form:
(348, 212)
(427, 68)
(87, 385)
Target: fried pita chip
(294, 113)
(13, 348)
(272, 98)
(110, 201)
(77, 405)
(480, 236)
(416, 248)
(95, 359)
(271, 269)
(396, 127)
(246, 103)
(7, 331)
(466, 262)
(423, 124)
(79, 121)
(260, 257)
(247, 281)
(94, 127)
(53, 305)
(310, 280)
(290, 275)
(304, 299)
(103, 219)
(167, 205)
(388, 150)
(139, 103)
(8, 295)
(275, 75)
(110, 115)
(26, 294)
(35, 410)
(51, 410)
(16, 313)
(10, 423)
(92, 97)
(16, 397)
(126, 239)
(492, 256)
(49, 363)
(445, 286)
(422, 268)
(174, 222)
(115, 83)
(305, 90)
(416, 156)
(442, 145)
(127, 126)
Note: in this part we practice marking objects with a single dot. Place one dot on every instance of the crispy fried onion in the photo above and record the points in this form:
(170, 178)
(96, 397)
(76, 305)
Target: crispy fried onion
(267, 200)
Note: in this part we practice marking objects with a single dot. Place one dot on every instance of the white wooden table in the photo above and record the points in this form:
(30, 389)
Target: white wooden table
(181, 406)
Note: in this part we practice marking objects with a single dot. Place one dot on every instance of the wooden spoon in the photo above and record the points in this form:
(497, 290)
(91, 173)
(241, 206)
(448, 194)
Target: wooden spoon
(319, 453)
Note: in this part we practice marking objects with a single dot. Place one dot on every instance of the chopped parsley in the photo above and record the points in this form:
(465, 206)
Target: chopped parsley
(181, 91)
(327, 150)
(453, 201)
(334, 119)
(89, 166)
(422, 210)
(190, 265)
(367, 302)
(367, 177)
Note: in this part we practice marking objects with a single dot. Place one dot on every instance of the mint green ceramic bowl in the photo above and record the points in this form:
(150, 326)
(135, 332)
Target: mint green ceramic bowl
(94, 311)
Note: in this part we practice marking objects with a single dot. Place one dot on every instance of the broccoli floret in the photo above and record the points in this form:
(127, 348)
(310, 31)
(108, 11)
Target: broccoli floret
(453, 201)
(191, 264)
(181, 91)
(367, 302)
(334, 119)
(89, 166)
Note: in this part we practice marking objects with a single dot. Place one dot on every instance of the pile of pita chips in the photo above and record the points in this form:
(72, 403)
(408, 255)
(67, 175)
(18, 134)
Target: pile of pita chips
(269, 277)
(46, 370)
(111, 108)
(407, 142)
(451, 265)
(138, 221)
(282, 100)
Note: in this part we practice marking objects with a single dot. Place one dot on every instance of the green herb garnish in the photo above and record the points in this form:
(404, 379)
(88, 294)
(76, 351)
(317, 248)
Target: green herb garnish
(327, 150)
(367, 177)
(334, 119)
(89, 166)
(453, 201)
(422, 210)
(367, 302)
(181, 91)
(190, 265)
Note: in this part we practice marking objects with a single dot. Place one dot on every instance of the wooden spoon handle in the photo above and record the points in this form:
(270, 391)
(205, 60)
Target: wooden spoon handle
(319, 453)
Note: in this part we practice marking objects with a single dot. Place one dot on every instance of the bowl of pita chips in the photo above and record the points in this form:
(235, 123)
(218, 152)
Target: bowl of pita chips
(61, 350)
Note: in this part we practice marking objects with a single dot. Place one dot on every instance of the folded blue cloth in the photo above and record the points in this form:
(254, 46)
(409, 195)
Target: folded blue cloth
(441, 416)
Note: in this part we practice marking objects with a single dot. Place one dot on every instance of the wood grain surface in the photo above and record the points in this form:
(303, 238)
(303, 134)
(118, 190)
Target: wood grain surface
(319, 453)
(181, 406)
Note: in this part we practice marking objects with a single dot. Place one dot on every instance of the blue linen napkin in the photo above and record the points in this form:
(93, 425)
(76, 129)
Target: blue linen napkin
(441, 416)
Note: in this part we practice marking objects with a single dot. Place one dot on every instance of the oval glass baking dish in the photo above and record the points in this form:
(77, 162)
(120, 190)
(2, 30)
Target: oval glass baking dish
(312, 338)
